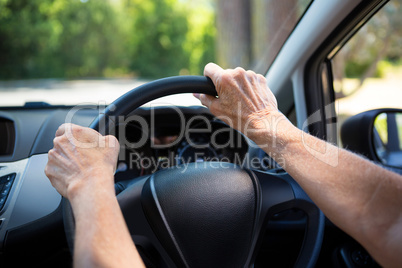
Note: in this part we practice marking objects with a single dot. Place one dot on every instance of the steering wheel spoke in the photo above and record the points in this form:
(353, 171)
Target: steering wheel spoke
(144, 238)
(279, 192)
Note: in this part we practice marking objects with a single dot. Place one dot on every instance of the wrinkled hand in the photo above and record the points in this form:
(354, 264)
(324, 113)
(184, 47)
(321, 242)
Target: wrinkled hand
(245, 102)
(81, 160)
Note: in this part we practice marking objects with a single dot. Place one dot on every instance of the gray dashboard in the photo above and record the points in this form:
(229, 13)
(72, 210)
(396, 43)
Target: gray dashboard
(30, 196)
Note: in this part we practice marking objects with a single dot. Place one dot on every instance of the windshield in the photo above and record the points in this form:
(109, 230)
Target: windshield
(75, 51)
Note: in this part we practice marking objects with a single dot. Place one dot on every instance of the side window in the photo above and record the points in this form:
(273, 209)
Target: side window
(367, 71)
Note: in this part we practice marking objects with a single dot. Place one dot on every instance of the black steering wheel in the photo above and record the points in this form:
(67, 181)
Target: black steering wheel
(212, 214)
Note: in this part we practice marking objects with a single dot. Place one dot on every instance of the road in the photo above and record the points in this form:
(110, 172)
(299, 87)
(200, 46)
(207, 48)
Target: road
(375, 93)
(74, 92)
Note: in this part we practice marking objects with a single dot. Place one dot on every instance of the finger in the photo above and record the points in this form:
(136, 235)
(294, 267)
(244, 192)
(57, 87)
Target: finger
(48, 172)
(207, 100)
(61, 130)
(196, 95)
(212, 71)
(50, 165)
(112, 142)
(261, 78)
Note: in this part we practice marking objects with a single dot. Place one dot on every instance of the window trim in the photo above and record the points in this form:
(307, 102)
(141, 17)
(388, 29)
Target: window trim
(315, 97)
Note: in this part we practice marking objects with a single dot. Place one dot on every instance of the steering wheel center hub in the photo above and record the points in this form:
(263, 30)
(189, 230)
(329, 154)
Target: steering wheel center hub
(207, 212)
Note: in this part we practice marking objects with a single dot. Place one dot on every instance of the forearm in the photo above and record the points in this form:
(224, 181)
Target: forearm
(350, 190)
(102, 238)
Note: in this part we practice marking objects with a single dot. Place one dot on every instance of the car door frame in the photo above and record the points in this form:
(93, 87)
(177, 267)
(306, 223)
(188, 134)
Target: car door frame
(301, 75)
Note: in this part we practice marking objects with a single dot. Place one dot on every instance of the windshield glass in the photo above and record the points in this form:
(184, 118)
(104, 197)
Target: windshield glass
(74, 51)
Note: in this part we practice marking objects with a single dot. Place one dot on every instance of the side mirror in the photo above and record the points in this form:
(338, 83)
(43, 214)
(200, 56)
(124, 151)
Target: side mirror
(376, 134)
(387, 138)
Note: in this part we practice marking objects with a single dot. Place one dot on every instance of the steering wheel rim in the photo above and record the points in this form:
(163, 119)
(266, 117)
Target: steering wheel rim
(140, 214)
(150, 91)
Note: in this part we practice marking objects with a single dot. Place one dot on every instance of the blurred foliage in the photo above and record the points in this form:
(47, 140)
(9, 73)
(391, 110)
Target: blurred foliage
(156, 46)
(373, 49)
(380, 124)
(82, 38)
(158, 38)
(355, 68)
(384, 67)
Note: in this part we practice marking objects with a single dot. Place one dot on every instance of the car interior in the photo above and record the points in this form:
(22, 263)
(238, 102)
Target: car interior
(279, 226)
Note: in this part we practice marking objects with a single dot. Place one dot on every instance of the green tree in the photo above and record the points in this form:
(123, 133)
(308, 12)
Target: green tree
(60, 38)
(90, 38)
(24, 31)
(200, 38)
(81, 38)
(157, 37)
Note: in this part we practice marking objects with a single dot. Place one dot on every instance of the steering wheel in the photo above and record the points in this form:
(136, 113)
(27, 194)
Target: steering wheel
(210, 214)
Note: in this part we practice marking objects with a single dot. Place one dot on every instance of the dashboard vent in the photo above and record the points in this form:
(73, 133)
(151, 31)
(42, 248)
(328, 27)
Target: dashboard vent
(7, 137)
